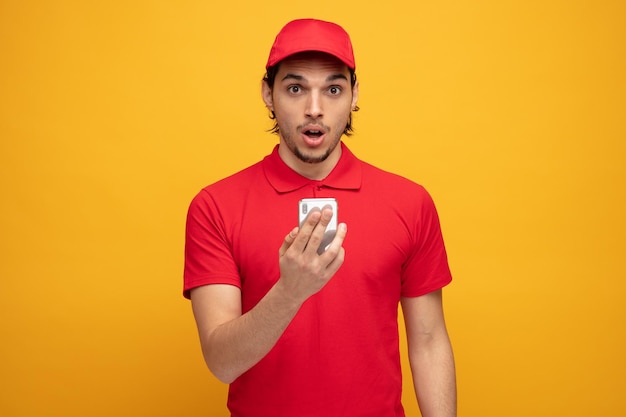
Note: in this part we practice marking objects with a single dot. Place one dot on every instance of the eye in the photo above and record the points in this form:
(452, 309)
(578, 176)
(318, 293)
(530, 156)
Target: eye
(294, 89)
(334, 90)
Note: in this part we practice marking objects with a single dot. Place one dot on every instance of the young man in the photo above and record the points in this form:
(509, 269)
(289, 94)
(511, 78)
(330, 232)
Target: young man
(301, 333)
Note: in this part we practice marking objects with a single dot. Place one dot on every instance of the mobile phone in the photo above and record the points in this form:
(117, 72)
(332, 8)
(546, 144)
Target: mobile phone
(304, 208)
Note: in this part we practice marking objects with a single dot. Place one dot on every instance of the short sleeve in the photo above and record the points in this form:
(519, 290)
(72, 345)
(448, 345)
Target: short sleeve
(426, 268)
(208, 249)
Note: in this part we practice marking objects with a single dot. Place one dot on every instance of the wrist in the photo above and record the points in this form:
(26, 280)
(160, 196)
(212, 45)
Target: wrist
(286, 297)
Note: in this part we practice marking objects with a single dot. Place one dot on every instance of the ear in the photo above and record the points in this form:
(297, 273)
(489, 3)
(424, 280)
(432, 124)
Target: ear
(355, 95)
(266, 93)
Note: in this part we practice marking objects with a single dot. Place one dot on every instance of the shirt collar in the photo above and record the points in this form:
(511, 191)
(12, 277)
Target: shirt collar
(346, 175)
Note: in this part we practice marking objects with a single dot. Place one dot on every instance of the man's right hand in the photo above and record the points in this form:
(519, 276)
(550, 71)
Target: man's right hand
(233, 342)
(304, 272)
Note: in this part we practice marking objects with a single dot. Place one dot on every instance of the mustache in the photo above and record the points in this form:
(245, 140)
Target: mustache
(314, 126)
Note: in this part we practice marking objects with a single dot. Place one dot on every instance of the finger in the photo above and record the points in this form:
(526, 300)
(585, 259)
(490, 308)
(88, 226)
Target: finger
(317, 236)
(288, 241)
(337, 261)
(306, 229)
(335, 248)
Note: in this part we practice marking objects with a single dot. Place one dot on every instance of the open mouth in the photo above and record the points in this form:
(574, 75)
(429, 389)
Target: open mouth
(313, 135)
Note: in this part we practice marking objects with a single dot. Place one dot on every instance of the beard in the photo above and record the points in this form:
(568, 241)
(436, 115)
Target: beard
(311, 158)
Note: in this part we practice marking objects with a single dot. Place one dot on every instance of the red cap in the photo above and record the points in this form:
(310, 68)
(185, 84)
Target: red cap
(304, 35)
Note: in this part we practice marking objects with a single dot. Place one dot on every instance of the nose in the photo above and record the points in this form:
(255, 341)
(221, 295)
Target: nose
(314, 105)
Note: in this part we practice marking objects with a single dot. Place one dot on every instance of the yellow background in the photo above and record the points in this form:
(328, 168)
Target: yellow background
(115, 113)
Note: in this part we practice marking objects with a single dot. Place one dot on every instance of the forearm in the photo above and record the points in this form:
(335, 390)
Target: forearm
(233, 342)
(434, 376)
(236, 345)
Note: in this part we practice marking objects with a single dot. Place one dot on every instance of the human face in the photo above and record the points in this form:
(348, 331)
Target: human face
(312, 98)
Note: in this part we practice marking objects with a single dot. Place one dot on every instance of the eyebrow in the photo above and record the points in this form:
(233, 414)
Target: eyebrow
(330, 78)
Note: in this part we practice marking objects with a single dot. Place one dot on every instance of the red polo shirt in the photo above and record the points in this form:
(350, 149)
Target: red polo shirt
(339, 356)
